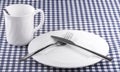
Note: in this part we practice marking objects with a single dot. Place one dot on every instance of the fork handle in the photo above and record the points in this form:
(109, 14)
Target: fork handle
(33, 53)
(105, 57)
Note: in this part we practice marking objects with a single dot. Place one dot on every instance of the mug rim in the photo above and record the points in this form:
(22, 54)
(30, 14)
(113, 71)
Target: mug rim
(17, 5)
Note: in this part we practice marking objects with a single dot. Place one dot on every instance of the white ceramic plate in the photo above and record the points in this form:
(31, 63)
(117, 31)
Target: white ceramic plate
(69, 56)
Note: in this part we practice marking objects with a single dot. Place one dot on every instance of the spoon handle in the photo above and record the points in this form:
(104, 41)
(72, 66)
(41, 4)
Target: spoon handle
(6, 11)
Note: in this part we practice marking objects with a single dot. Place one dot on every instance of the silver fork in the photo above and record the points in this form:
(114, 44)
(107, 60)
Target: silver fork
(68, 35)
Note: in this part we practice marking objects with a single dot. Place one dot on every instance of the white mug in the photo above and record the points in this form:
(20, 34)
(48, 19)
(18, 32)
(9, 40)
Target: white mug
(20, 23)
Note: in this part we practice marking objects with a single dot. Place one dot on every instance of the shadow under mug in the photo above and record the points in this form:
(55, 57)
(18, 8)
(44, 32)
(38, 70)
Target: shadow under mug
(19, 24)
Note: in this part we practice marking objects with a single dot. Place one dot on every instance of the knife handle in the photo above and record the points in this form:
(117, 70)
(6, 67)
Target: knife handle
(105, 57)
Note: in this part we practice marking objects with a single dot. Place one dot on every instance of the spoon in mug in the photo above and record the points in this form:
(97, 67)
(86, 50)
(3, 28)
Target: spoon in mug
(5, 10)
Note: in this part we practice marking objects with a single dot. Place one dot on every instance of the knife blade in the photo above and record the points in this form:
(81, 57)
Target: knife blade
(72, 43)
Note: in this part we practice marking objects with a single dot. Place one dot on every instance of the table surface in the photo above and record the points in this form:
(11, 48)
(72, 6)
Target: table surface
(101, 17)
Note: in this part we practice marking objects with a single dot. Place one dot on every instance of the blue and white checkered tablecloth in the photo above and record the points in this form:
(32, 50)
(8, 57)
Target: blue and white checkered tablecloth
(101, 17)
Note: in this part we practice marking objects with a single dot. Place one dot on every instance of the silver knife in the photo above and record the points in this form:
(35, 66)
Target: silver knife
(72, 43)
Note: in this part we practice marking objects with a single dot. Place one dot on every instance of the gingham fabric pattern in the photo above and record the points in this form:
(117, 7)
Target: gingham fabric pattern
(101, 17)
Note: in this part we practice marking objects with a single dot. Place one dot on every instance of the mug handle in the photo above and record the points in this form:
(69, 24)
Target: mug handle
(42, 19)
